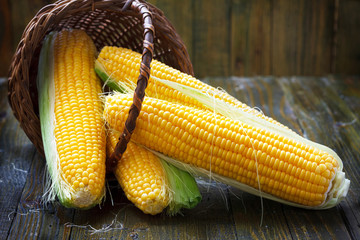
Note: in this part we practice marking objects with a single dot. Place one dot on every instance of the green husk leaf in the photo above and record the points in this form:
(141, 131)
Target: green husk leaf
(46, 90)
(183, 189)
(106, 78)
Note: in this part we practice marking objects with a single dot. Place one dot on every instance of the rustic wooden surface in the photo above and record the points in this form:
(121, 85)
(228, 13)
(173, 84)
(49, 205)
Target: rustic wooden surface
(323, 109)
(240, 37)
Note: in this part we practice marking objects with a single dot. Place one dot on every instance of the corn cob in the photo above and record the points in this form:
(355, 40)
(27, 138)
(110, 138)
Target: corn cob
(147, 181)
(70, 115)
(235, 152)
(141, 176)
(120, 67)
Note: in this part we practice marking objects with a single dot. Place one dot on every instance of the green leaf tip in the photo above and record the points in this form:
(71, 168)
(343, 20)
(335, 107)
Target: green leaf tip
(183, 187)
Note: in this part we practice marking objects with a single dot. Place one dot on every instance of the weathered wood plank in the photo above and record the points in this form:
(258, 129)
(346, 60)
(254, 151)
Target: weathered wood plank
(347, 55)
(211, 38)
(103, 221)
(302, 37)
(315, 107)
(239, 37)
(180, 14)
(320, 110)
(307, 224)
(33, 219)
(211, 219)
(250, 38)
(258, 219)
(348, 89)
(346, 108)
(16, 153)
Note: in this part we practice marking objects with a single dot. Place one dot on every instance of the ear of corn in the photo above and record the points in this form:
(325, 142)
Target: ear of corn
(150, 183)
(232, 112)
(119, 68)
(339, 190)
(141, 176)
(70, 116)
(250, 157)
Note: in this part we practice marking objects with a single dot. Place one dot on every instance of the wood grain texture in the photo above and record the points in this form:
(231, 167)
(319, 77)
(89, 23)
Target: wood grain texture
(210, 219)
(16, 155)
(240, 37)
(258, 219)
(347, 56)
(33, 219)
(211, 39)
(317, 108)
(302, 37)
(250, 35)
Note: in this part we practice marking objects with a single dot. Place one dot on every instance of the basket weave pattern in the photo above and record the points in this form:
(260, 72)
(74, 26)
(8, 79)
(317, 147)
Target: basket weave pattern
(107, 24)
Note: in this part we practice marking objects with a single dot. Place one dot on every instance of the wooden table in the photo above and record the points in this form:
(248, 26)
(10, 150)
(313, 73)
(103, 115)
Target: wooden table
(322, 109)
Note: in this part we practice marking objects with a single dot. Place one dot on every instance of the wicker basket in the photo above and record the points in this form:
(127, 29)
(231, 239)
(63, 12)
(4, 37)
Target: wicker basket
(129, 24)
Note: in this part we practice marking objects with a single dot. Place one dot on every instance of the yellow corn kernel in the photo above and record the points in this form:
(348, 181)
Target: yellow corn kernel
(238, 159)
(123, 65)
(79, 127)
(141, 176)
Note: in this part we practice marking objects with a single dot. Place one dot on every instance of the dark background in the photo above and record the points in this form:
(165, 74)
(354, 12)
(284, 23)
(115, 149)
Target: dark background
(240, 37)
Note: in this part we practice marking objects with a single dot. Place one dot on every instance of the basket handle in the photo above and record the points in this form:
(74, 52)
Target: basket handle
(147, 55)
